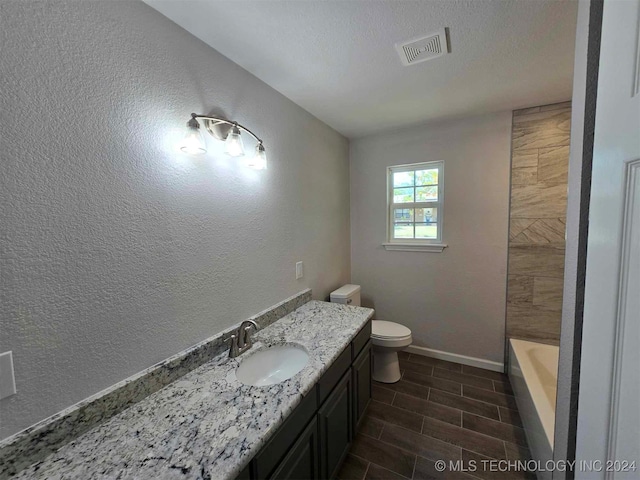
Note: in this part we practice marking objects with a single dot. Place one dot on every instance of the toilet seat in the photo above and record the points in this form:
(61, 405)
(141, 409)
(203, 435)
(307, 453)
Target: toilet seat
(388, 330)
(390, 334)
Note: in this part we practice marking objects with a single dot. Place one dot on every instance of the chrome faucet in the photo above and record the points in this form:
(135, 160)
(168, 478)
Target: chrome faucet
(241, 338)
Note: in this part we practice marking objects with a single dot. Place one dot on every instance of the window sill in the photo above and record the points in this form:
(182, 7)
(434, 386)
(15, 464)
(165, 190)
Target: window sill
(413, 247)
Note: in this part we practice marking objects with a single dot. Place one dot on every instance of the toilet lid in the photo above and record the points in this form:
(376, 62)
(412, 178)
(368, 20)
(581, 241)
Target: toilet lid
(382, 329)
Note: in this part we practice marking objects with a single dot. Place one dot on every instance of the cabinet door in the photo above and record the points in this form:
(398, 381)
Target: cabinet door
(245, 474)
(301, 463)
(361, 384)
(270, 456)
(335, 422)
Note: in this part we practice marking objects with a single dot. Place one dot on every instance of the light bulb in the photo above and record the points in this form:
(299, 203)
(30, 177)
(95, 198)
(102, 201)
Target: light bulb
(259, 160)
(193, 142)
(233, 144)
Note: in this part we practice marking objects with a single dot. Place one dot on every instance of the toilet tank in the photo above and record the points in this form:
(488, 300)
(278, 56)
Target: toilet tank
(347, 294)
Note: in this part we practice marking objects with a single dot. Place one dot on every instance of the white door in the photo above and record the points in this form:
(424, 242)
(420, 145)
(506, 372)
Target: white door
(609, 395)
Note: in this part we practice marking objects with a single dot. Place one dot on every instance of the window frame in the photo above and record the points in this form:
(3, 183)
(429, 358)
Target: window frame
(420, 244)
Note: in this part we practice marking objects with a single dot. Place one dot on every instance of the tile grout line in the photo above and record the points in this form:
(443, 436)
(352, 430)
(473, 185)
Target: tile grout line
(469, 430)
(359, 457)
(425, 386)
(434, 367)
(483, 455)
(489, 403)
(454, 408)
(415, 463)
(477, 414)
(415, 454)
(366, 470)
(426, 401)
(491, 420)
(494, 437)
(498, 407)
(493, 390)
(486, 380)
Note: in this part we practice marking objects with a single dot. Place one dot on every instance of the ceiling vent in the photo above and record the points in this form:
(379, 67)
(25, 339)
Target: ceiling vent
(423, 48)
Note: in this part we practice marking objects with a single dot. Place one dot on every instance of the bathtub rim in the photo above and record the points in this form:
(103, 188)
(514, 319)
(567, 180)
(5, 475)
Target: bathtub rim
(545, 409)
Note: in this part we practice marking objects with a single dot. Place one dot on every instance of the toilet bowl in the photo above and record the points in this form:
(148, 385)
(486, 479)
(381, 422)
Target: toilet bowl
(387, 338)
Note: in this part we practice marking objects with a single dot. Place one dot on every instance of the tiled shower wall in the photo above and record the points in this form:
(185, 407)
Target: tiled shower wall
(539, 163)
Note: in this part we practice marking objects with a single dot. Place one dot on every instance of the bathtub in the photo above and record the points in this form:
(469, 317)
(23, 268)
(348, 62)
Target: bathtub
(533, 372)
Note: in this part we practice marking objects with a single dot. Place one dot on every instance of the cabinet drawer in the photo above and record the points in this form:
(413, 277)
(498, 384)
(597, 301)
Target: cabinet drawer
(361, 340)
(268, 458)
(333, 375)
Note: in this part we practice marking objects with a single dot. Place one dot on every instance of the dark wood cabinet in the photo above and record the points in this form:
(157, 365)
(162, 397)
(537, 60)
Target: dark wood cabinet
(335, 421)
(245, 474)
(270, 456)
(302, 460)
(315, 438)
(361, 383)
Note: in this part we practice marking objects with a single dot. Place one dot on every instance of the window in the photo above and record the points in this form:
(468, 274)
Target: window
(414, 216)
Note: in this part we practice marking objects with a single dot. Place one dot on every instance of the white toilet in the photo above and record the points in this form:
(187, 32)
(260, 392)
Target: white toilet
(387, 338)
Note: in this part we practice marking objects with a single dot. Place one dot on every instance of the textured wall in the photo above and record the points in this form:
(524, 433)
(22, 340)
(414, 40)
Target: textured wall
(454, 300)
(540, 159)
(117, 251)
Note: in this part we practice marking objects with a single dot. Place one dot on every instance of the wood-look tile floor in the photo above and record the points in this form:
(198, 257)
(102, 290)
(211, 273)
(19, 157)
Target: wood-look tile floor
(438, 411)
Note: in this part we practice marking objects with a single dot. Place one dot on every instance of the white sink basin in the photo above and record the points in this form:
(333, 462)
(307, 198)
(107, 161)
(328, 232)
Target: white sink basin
(272, 365)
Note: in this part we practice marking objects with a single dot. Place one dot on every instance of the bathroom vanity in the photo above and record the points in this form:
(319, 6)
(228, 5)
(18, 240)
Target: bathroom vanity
(208, 424)
(315, 438)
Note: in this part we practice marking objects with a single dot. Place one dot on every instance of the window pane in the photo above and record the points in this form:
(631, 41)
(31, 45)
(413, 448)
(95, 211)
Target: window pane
(426, 215)
(427, 177)
(426, 230)
(426, 194)
(402, 215)
(403, 179)
(403, 195)
(403, 230)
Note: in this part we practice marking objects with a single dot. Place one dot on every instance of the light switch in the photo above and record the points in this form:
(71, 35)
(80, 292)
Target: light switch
(299, 270)
(7, 379)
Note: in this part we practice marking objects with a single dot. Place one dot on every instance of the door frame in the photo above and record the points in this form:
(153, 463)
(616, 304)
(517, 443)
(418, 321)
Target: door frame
(587, 61)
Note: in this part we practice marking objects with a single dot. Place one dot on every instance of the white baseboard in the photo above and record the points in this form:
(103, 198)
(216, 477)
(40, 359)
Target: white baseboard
(456, 358)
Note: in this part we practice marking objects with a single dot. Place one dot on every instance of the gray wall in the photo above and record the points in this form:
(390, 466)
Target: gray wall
(455, 300)
(117, 250)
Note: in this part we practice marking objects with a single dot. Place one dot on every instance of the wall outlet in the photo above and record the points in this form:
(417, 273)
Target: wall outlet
(299, 271)
(7, 378)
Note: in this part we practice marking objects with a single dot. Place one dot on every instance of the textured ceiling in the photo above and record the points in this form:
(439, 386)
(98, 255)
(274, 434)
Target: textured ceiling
(336, 58)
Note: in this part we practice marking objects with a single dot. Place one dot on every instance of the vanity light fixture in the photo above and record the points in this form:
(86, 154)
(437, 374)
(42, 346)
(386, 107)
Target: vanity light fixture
(193, 142)
(233, 143)
(223, 130)
(259, 160)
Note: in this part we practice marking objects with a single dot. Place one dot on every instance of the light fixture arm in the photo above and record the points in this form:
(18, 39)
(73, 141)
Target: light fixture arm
(217, 120)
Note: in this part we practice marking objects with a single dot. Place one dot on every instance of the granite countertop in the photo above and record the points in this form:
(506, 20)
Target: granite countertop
(207, 424)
